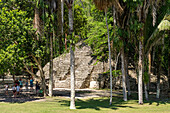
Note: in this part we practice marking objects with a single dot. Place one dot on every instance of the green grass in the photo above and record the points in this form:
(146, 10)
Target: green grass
(95, 105)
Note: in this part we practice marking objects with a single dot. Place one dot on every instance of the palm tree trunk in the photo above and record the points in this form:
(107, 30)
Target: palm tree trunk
(72, 59)
(158, 84)
(37, 22)
(51, 68)
(153, 60)
(123, 74)
(127, 74)
(62, 17)
(149, 61)
(109, 58)
(140, 68)
(146, 91)
(72, 72)
(161, 49)
(149, 71)
(60, 23)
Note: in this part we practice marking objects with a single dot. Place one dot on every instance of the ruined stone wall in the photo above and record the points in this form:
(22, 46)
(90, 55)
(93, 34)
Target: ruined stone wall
(86, 70)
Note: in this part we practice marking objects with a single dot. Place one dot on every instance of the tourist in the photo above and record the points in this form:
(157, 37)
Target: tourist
(37, 87)
(16, 82)
(14, 90)
(6, 89)
(26, 85)
(17, 90)
(20, 84)
(31, 83)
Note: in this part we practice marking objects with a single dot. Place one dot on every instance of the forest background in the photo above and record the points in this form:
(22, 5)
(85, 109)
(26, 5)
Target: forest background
(33, 32)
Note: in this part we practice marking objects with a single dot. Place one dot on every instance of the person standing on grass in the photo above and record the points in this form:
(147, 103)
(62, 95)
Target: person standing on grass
(20, 84)
(37, 87)
(31, 83)
(14, 90)
(17, 90)
(26, 85)
(6, 89)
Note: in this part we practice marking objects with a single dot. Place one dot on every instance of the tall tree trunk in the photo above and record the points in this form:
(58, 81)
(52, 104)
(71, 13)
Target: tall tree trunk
(123, 74)
(37, 23)
(146, 91)
(140, 68)
(72, 59)
(149, 71)
(158, 77)
(43, 85)
(51, 67)
(153, 60)
(42, 76)
(72, 72)
(158, 83)
(62, 17)
(149, 61)
(161, 49)
(60, 23)
(109, 58)
(169, 70)
(127, 74)
(169, 66)
(38, 62)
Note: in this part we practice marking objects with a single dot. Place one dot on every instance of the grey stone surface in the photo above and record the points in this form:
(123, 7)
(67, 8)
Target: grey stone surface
(86, 70)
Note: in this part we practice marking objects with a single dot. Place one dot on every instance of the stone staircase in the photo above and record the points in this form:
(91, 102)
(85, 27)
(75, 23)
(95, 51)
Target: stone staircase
(86, 73)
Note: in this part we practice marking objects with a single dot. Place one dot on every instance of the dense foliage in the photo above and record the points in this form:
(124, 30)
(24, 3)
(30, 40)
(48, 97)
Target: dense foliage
(30, 30)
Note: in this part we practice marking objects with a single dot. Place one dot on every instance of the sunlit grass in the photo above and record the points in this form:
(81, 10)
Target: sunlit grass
(93, 105)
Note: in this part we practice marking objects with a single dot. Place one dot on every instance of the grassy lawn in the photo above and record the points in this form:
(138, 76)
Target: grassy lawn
(95, 105)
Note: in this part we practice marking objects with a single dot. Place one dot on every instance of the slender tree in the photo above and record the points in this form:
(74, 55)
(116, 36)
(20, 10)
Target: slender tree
(122, 13)
(110, 66)
(72, 58)
(37, 26)
(103, 5)
(143, 10)
(62, 17)
(123, 74)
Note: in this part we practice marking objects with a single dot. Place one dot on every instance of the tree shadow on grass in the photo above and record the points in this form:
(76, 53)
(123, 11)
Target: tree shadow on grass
(22, 98)
(103, 102)
(158, 101)
(152, 99)
(97, 103)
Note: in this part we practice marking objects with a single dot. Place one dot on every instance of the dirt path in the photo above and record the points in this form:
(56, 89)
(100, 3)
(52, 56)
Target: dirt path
(27, 96)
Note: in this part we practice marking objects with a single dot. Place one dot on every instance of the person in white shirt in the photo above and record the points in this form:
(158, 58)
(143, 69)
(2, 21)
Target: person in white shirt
(14, 90)
(6, 89)
(17, 89)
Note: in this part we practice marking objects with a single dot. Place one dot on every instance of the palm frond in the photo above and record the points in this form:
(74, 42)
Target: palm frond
(104, 4)
(156, 35)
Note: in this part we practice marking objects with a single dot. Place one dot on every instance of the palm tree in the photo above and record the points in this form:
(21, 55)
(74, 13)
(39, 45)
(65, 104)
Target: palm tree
(122, 15)
(143, 10)
(103, 5)
(72, 59)
(154, 40)
(109, 58)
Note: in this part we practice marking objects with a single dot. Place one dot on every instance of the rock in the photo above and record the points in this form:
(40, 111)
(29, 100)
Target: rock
(87, 71)
(94, 84)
